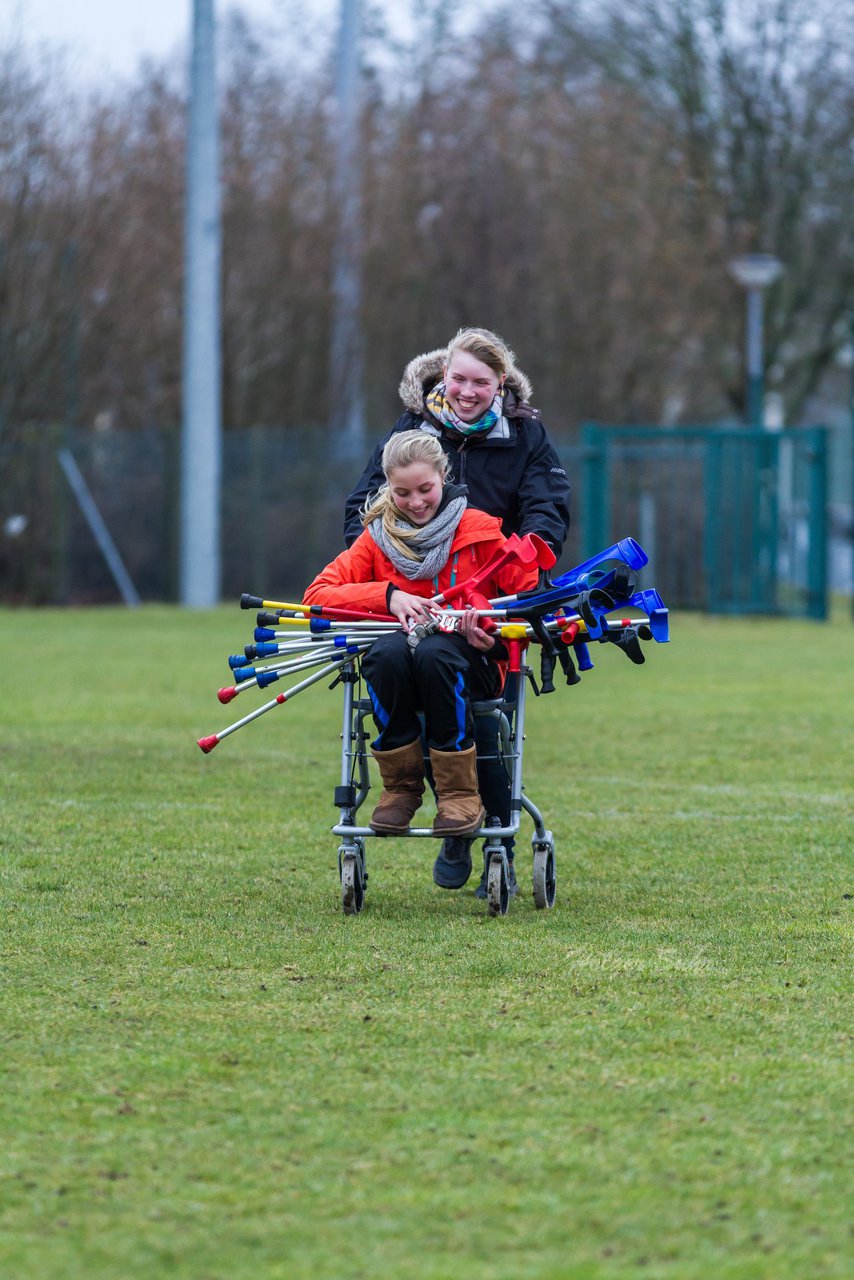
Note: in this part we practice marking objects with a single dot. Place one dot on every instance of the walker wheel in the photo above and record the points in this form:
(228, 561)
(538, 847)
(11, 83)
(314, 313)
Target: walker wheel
(352, 884)
(497, 888)
(545, 879)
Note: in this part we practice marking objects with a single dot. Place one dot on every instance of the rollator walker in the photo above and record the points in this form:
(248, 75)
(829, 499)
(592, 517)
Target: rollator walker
(561, 618)
(509, 712)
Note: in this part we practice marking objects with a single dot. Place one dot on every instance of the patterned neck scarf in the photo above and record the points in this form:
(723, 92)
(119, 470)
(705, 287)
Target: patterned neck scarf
(437, 403)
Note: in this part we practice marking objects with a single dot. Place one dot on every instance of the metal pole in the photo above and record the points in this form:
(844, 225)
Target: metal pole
(755, 272)
(851, 456)
(346, 414)
(201, 440)
(817, 551)
(755, 387)
(100, 532)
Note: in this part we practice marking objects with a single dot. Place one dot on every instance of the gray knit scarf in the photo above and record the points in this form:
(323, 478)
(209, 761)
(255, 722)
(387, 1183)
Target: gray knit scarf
(431, 545)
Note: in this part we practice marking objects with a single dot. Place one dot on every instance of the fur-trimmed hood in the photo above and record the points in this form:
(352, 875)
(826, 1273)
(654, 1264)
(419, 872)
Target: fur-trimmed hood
(422, 374)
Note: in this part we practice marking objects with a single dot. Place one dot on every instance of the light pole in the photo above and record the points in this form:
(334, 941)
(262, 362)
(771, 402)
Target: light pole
(346, 382)
(755, 272)
(201, 435)
(851, 455)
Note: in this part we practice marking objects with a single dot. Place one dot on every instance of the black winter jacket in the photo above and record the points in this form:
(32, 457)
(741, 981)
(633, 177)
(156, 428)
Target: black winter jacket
(512, 471)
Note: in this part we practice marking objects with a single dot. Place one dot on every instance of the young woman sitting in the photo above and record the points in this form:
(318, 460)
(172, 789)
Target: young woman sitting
(420, 537)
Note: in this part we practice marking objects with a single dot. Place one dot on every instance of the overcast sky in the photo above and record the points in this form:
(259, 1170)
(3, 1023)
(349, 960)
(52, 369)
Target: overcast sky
(107, 38)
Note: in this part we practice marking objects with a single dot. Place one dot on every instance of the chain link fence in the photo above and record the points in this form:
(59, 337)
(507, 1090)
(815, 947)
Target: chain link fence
(282, 513)
(730, 522)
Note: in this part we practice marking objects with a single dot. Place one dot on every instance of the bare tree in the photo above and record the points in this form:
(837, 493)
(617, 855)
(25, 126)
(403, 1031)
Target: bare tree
(758, 99)
(39, 242)
(276, 238)
(132, 268)
(578, 184)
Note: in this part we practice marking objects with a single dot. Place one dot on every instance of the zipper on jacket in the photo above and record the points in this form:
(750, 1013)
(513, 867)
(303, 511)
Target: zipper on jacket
(453, 581)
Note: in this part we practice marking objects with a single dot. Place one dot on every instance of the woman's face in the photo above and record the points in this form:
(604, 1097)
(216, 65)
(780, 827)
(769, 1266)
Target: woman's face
(470, 386)
(416, 491)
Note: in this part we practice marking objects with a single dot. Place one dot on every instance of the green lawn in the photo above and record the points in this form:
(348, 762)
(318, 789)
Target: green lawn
(208, 1072)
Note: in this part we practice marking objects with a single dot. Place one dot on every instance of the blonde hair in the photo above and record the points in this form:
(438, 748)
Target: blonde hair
(485, 346)
(404, 448)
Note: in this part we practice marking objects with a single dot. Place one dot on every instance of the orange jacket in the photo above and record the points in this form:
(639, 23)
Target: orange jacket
(360, 578)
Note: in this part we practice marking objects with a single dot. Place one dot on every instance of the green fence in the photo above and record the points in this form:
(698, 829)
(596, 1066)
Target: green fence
(734, 521)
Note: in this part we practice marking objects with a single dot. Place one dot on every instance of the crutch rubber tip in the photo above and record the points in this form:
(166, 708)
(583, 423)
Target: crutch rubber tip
(251, 602)
(208, 744)
(225, 695)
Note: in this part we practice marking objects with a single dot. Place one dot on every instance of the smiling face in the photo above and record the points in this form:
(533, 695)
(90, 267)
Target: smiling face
(416, 491)
(470, 386)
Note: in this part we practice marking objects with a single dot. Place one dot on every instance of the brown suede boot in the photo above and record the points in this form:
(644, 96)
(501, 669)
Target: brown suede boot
(402, 772)
(460, 810)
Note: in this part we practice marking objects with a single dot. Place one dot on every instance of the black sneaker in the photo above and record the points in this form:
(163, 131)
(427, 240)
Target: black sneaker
(512, 886)
(452, 868)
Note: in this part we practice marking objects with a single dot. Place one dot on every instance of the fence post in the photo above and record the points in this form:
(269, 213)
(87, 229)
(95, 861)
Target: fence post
(172, 499)
(258, 470)
(817, 554)
(767, 519)
(712, 520)
(596, 516)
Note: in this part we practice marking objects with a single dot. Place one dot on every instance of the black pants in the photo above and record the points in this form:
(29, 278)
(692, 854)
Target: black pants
(438, 678)
(493, 782)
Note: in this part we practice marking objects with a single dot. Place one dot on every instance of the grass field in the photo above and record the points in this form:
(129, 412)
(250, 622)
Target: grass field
(209, 1073)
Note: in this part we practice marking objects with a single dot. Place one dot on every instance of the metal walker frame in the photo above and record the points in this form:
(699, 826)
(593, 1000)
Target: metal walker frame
(350, 795)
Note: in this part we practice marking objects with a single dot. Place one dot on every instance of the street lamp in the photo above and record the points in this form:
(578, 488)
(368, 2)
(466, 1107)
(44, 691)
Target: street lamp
(755, 272)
